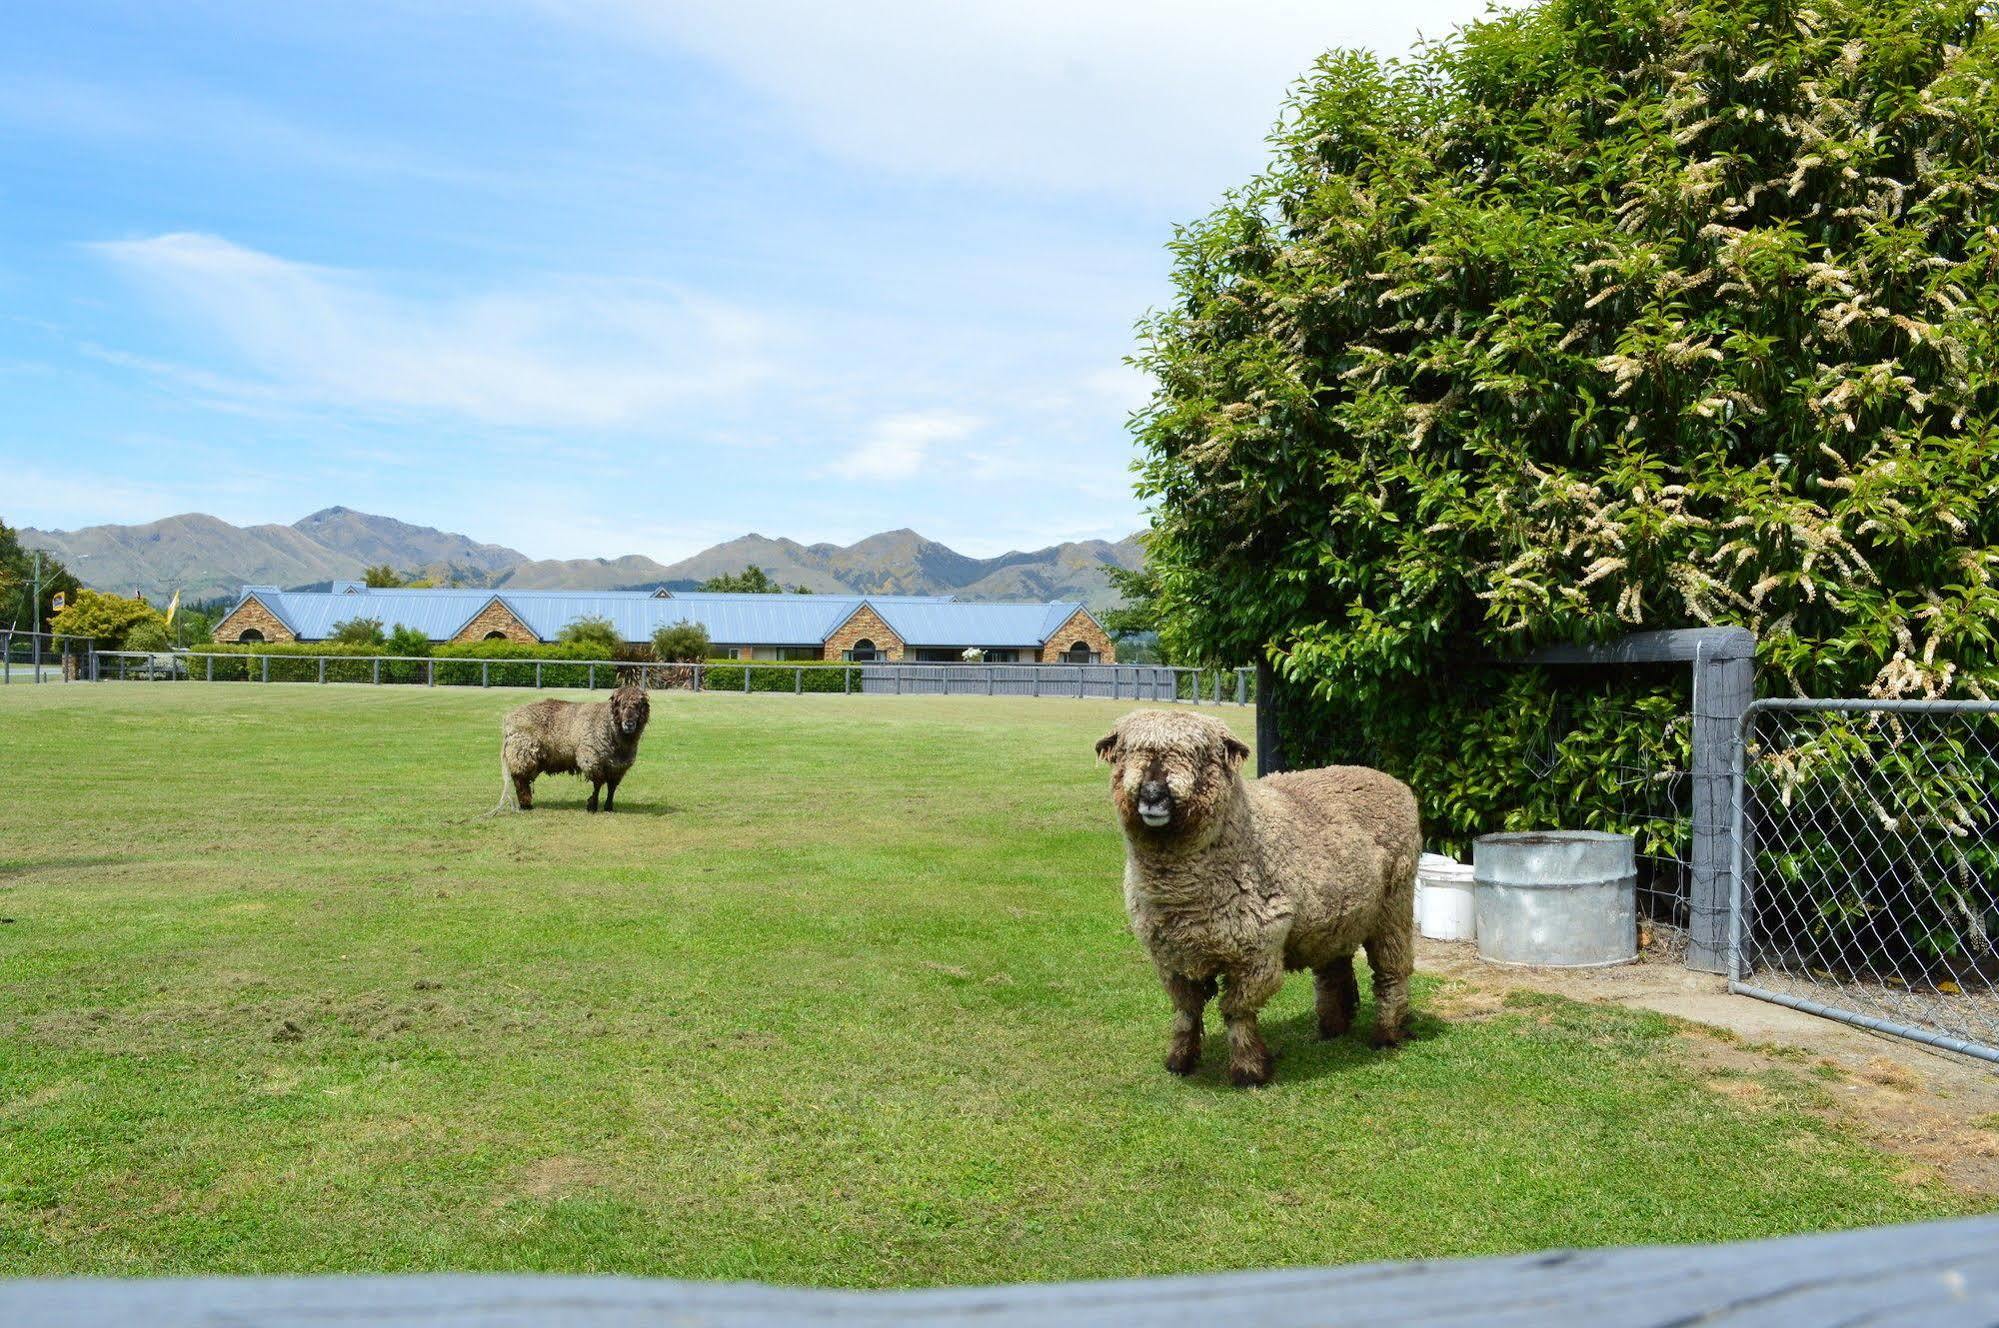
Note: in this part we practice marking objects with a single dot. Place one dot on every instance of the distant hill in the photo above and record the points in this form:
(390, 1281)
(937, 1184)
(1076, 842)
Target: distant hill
(204, 557)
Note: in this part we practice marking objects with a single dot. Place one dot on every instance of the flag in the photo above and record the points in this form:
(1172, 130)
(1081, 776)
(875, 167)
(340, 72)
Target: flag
(172, 604)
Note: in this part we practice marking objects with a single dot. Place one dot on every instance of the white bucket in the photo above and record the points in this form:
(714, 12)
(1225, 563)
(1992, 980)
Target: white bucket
(1445, 906)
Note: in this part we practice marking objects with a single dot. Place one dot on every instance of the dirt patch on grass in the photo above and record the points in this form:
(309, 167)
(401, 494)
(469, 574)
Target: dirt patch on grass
(1937, 1111)
(553, 1177)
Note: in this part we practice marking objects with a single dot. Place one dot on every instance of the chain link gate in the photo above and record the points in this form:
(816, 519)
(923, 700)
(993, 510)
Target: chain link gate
(1867, 865)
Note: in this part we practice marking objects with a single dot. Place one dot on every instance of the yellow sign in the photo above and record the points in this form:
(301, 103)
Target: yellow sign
(60, 600)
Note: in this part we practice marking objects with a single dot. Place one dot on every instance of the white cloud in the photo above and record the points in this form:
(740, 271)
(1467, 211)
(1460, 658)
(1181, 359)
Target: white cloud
(1158, 98)
(899, 445)
(570, 353)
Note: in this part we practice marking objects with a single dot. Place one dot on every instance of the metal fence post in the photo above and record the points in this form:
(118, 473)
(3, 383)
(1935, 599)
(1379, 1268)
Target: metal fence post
(846, 679)
(798, 683)
(266, 668)
(746, 677)
(322, 670)
(375, 671)
(1723, 689)
(989, 680)
(430, 673)
(485, 674)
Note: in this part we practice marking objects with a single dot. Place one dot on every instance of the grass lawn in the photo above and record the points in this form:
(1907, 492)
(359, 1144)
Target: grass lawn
(841, 995)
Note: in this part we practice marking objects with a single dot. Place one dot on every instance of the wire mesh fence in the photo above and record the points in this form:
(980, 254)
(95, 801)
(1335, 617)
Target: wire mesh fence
(1638, 786)
(1869, 865)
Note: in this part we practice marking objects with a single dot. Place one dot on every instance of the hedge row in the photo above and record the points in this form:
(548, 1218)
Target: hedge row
(503, 664)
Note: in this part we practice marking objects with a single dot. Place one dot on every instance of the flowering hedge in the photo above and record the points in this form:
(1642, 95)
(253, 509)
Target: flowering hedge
(1601, 316)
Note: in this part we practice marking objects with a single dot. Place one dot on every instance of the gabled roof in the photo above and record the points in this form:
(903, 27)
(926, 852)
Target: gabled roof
(730, 619)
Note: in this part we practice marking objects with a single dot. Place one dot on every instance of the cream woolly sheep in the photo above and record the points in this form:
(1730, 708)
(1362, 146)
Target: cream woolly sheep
(1234, 881)
(598, 740)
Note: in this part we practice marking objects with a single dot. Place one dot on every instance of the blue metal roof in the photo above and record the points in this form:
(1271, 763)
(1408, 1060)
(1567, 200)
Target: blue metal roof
(730, 619)
(957, 624)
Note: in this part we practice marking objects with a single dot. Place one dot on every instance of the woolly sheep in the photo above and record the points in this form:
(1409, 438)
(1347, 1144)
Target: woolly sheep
(1230, 882)
(598, 740)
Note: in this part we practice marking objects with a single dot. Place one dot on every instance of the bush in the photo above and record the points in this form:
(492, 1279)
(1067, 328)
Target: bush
(681, 642)
(821, 675)
(600, 634)
(149, 635)
(406, 641)
(359, 632)
(1605, 315)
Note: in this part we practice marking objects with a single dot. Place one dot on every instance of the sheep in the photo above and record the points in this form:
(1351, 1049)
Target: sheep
(1229, 882)
(597, 740)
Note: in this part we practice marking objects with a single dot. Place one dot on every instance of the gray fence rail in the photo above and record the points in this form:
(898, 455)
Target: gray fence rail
(1112, 682)
(1867, 842)
(1934, 1275)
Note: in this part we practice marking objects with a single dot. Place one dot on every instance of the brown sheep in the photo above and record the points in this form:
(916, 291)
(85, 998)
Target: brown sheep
(598, 740)
(1230, 881)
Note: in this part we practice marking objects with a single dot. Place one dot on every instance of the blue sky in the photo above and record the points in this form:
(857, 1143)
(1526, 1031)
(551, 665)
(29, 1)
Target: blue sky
(593, 277)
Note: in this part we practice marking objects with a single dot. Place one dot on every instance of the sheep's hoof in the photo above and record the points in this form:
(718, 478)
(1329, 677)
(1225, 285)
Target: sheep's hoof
(1333, 1028)
(1253, 1074)
(1184, 1058)
(1387, 1039)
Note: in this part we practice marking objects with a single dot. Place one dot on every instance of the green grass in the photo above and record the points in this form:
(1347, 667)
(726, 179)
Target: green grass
(843, 995)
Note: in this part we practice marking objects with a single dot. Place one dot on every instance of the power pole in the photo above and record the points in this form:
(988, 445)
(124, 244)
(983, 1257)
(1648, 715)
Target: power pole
(38, 615)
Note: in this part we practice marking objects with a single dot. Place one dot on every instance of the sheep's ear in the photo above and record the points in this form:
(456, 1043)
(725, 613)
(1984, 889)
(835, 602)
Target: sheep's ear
(1107, 746)
(1235, 750)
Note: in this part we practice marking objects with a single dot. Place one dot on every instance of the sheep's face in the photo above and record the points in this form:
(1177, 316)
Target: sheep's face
(1171, 772)
(629, 711)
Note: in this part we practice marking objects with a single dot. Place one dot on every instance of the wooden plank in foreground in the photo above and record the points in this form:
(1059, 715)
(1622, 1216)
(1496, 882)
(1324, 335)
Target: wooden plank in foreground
(1934, 1275)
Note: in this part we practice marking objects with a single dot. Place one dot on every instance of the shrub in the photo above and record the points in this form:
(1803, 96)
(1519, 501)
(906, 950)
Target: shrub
(820, 675)
(681, 642)
(359, 632)
(1604, 315)
(600, 634)
(406, 641)
(149, 635)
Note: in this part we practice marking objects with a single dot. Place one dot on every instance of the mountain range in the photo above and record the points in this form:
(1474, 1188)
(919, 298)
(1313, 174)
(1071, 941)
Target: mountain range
(204, 557)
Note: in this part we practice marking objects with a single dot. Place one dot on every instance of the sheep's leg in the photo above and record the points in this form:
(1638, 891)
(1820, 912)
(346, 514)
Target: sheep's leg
(591, 805)
(1392, 957)
(524, 790)
(610, 793)
(1338, 996)
(1244, 992)
(1189, 999)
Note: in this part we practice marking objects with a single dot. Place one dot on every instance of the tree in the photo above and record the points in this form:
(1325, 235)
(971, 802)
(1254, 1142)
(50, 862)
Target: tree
(1603, 315)
(681, 643)
(381, 576)
(1139, 625)
(107, 621)
(17, 584)
(752, 580)
(599, 633)
(358, 632)
(149, 635)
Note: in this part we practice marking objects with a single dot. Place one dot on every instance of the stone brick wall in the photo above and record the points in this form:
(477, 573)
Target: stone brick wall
(251, 614)
(865, 624)
(1080, 627)
(497, 617)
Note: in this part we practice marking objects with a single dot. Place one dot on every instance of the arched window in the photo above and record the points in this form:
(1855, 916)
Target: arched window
(1080, 653)
(496, 636)
(250, 636)
(864, 650)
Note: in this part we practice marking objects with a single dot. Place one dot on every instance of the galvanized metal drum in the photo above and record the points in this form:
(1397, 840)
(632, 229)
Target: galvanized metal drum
(1556, 898)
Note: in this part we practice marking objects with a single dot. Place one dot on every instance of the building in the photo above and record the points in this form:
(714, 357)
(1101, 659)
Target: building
(892, 628)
